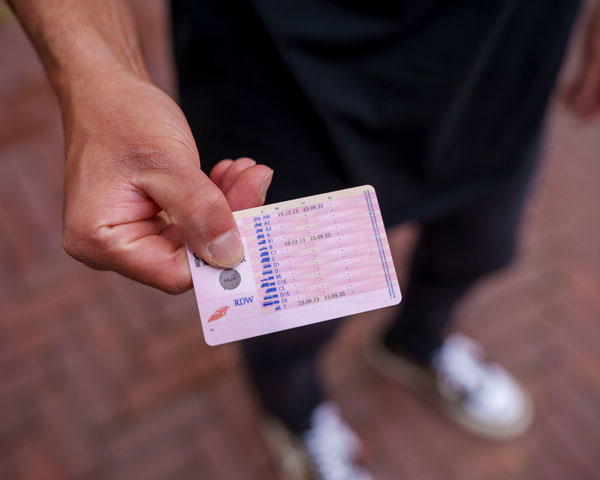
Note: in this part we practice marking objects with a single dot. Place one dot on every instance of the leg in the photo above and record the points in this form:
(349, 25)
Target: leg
(453, 252)
(283, 368)
(266, 117)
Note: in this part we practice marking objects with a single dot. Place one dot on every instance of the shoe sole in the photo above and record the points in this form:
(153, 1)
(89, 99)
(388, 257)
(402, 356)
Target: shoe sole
(420, 380)
(286, 451)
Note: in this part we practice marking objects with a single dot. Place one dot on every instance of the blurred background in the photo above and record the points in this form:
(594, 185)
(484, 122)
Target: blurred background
(101, 378)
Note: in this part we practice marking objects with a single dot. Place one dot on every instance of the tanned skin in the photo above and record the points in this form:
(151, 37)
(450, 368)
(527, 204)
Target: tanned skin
(134, 190)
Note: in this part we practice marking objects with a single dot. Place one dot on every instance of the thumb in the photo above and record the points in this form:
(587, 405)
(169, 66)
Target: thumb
(199, 211)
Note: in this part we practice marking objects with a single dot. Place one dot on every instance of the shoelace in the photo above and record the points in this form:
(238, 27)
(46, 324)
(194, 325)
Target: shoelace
(332, 446)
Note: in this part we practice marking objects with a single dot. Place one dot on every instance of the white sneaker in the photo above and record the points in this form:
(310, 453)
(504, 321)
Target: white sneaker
(332, 447)
(479, 395)
(327, 451)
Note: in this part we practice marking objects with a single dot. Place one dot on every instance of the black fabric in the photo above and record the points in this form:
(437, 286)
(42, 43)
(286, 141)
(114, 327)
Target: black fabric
(241, 100)
(453, 252)
(283, 369)
(433, 102)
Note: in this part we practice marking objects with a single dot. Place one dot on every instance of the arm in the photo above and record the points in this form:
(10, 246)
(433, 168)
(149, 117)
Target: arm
(134, 191)
(74, 38)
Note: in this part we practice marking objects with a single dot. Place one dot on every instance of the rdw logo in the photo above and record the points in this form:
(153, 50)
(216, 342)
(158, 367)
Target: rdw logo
(238, 302)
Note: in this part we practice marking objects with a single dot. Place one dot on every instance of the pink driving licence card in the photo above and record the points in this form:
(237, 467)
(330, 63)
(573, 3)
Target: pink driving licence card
(306, 261)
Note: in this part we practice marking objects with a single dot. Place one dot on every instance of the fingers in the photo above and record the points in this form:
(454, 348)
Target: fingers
(145, 250)
(156, 261)
(584, 95)
(219, 170)
(244, 183)
(151, 249)
(249, 188)
(233, 171)
(199, 210)
(158, 257)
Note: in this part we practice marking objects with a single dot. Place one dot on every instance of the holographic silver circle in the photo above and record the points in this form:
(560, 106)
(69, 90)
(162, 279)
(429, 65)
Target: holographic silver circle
(230, 279)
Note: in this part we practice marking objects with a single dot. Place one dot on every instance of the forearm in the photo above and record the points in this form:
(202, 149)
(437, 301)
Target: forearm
(77, 39)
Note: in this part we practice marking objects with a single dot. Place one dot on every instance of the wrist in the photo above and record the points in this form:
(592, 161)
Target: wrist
(89, 61)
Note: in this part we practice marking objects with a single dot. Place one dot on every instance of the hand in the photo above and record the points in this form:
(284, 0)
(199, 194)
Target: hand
(134, 191)
(584, 95)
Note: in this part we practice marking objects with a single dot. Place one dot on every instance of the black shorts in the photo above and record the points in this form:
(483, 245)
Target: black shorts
(433, 103)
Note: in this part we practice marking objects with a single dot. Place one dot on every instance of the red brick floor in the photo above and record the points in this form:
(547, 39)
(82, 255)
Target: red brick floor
(101, 378)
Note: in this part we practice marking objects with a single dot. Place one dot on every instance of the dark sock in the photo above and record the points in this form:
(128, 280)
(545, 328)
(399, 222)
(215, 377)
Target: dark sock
(420, 353)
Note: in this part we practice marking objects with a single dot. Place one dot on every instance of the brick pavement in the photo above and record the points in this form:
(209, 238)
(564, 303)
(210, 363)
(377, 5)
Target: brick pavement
(101, 378)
